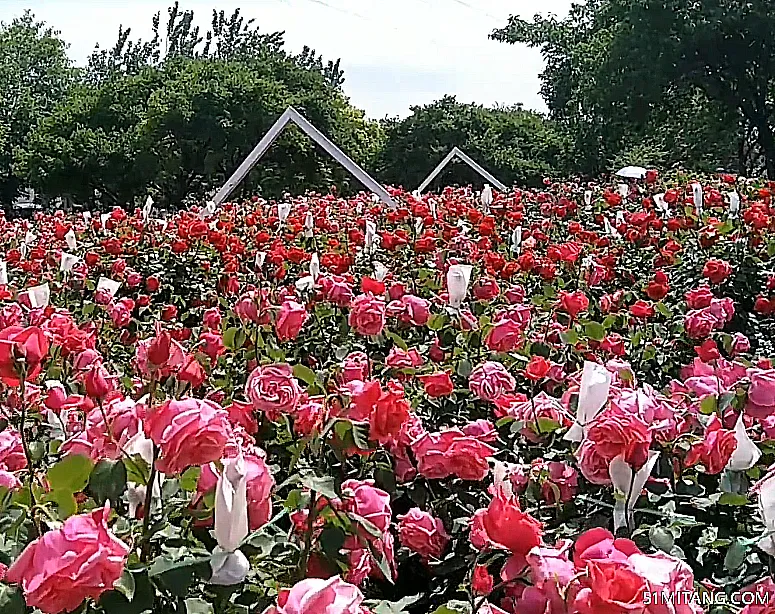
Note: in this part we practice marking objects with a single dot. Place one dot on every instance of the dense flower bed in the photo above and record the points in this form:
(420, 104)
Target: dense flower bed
(547, 402)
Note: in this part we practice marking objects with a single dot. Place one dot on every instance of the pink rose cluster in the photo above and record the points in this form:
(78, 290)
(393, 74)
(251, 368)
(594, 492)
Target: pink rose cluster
(603, 574)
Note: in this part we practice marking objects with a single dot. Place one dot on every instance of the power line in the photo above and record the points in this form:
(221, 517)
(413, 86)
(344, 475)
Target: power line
(477, 10)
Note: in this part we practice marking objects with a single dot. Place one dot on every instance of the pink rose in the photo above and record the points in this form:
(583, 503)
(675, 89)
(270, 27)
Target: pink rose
(612, 433)
(290, 320)
(410, 309)
(309, 416)
(60, 569)
(398, 358)
(367, 315)
(368, 502)
(189, 433)
(699, 324)
(740, 344)
(273, 389)
(318, 596)
(699, 297)
(610, 587)
(761, 393)
(505, 335)
(561, 483)
(452, 452)
(422, 533)
(336, 289)
(761, 594)
(212, 318)
(490, 381)
(355, 367)
(12, 456)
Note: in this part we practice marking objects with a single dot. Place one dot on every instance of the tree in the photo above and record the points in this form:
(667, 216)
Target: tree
(35, 73)
(515, 145)
(613, 65)
(177, 121)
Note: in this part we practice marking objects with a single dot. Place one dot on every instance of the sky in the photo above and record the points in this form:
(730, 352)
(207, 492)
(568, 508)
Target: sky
(395, 53)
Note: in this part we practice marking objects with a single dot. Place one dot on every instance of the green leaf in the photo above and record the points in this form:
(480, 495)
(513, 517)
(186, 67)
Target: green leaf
(332, 539)
(195, 605)
(708, 405)
(322, 485)
(305, 374)
(464, 368)
(735, 554)
(126, 585)
(661, 538)
(64, 500)
(11, 600)
(595, 331)
(569, 337)
(437, 321)
(107, 481)
(395, 338)
(729, 498)
(234, 338)
(664, 310)
(189, 478)
(70, 474)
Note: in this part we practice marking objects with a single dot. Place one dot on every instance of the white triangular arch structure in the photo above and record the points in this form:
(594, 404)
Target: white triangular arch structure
(457, 153)
(292, 115)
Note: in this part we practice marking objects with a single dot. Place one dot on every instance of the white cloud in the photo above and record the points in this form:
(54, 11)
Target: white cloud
(395, 53)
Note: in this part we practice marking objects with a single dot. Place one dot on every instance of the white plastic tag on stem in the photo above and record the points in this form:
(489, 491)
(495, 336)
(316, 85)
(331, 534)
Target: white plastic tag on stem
(108, 285)
(283, 210)
(314, 267)
(309, 225)
(147, 208)
(39, 296)
(29, 238)
(458, 278)
(418, 225)
(487, 197)
(70, 239)
(746, 453)
(87, 216)
(67, 262)
(734, 203)
(594, 388)
(516, 238)
(3, 273)
(260, 258)
(661, 203)
(588, 198)
(104, 217)
(624, 190)
(628, 487)
(371, 231)
(380, 271)
(698, 198)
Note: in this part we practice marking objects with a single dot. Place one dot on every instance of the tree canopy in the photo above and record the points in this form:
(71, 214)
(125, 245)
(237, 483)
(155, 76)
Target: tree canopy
(619, 72)
(515, 145)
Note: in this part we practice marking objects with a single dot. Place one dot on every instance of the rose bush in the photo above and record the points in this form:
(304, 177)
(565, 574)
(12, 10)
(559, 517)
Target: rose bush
(563, 403)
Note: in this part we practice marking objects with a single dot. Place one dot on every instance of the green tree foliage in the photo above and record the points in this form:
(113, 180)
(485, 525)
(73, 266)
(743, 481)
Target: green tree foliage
(35, 73)
(175, 115)
(517, 146)
(691, 76)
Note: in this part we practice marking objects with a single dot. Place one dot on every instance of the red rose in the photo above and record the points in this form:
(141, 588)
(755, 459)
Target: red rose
(152, 284)
(642, 310)
(658, 287)
(715, 449)
(437, 384)
(716, 270)
(707, 351)
(27, 346)
(699, 298)
(573, 303)
(377, 288)
(537, 368)
(169, 312)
